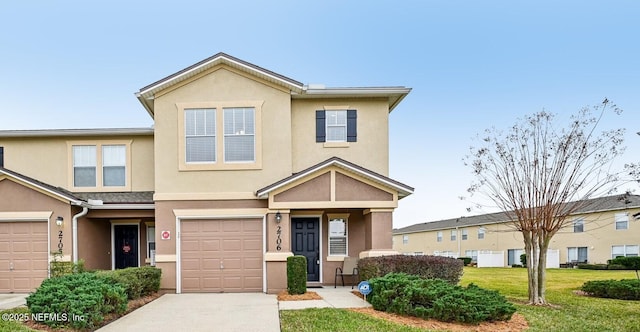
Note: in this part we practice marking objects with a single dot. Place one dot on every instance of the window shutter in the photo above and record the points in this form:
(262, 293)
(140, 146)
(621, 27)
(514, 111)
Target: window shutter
(352, 131)
(1, 156)
(321, 135)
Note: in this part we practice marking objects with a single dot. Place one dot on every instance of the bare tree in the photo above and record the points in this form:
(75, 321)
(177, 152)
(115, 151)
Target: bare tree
(539, 174)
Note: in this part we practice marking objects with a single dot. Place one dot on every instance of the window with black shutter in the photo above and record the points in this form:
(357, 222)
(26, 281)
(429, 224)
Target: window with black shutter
(1, 156)
(336, 126)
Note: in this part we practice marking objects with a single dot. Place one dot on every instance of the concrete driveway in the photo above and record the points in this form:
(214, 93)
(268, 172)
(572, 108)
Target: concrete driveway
(203, 312)
(8, 301)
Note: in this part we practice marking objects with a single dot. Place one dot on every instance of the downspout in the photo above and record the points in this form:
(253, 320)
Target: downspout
(74, 231)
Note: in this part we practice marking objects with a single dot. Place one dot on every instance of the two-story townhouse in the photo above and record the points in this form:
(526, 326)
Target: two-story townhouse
(243, 168)
(602, 229)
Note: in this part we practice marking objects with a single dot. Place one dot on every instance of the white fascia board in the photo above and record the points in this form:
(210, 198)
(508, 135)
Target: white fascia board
(123, 207)
(77, 132)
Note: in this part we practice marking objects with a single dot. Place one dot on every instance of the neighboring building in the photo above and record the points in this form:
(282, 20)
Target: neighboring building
(605, 228)
(242, 168)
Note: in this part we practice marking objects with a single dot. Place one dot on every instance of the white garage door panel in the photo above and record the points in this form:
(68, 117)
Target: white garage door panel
(23, 256)
(221, 255)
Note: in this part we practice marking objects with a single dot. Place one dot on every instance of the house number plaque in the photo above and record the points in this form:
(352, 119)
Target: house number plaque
(278, 238)
(60, 245)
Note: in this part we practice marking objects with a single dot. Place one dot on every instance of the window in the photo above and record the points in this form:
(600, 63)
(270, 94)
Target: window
(578, 225)
(625, 251)
(151, 244)
(200, 135)
(114, 163)
(336, 126)
(464, 234)
(1, 156)
(84, 166)
(405, 239)
(453, 234)
(622, 220)
(481, 231)
(513, 256)
(239, 135)
(471, 253)
(439, 236)
(577, 254)
(337, 236)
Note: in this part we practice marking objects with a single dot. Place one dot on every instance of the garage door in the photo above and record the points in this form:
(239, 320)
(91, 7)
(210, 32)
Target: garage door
(23, 256)
(221, 255)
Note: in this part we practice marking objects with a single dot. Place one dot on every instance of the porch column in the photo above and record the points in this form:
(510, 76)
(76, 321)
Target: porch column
(378, 233)
(278, 239)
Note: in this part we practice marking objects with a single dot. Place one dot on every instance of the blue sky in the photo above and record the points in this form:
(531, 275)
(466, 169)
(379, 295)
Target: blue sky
(471, 64)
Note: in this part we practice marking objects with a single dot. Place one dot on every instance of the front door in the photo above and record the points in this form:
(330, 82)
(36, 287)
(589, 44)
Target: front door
(305, 239)
(125, 246)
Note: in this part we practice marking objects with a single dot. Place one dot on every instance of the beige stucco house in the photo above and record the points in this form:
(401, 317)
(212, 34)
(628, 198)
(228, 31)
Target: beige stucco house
(242, 168)
(602, 229)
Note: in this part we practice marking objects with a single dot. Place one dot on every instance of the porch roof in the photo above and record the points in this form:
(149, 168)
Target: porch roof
(53, 190)
(403, 189)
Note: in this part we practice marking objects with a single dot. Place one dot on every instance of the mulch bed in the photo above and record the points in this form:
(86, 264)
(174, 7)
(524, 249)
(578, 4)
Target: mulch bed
(285, 296)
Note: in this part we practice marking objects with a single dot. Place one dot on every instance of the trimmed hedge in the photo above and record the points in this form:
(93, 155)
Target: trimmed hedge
(445, 268)
(625, 289)
(465, 260)
(137, 281)
(297, 274)
(59, 269)
(438, 299)
(595, 267)
(77, 300)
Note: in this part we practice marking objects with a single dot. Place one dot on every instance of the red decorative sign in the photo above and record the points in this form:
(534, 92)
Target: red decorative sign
(165, 235)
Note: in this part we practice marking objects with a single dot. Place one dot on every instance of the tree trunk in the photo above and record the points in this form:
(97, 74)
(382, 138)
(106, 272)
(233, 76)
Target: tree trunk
(531, 249)
(542, 270)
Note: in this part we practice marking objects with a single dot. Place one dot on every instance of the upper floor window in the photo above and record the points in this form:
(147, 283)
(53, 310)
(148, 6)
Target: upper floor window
(84, 166)
(239, 134)
(336, 126)
(622, 220)
(200, 135)
(578, 225)
(99, 165)
(481, 231)
(338, 236)
(219, 135)
(454, 233)
(439, 236)
(405, 239)
(464, 234)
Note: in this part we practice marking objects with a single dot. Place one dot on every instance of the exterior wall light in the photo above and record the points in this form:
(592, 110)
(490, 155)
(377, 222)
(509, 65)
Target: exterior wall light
(278, 217)
(59, 221)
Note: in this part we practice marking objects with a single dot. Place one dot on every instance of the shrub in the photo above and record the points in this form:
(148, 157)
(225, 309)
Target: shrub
(449, 269)
(79, 300)
(631, 263)
(592, 266)
(297, 274)
(465, 260)
(438, 299)
(137, 281)
(625, 289)
(59, 268)
(523, 260)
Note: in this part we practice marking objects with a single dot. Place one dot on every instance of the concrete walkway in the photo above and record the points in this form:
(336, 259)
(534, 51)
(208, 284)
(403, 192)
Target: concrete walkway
(340, 297)
(203, 312)
(9, 301)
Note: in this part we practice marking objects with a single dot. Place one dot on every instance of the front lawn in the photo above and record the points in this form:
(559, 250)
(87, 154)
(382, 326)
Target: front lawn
(570, 312)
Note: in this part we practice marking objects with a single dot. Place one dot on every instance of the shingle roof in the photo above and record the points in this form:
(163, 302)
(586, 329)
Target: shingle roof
(607, 203)
(137, 197)
(47, 187)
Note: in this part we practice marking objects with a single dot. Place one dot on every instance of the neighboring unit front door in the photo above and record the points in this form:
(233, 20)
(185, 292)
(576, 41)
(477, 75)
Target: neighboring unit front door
(305, 239)
(125, 246)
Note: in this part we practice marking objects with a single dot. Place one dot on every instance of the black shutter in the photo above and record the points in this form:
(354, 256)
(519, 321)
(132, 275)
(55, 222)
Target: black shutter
(1, 156)
(352, 126)
(321, 135)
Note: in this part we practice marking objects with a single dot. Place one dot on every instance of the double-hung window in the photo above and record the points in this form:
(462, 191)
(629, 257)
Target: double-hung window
(84, 166)
(464, 234)
(239, 134)
(405, 239)
(114, 163)
(200, 135)
(338, 236)
(481, 232)
(336, 125)
(622, 220)
(454, 234)
(578, 225)
(439, 236)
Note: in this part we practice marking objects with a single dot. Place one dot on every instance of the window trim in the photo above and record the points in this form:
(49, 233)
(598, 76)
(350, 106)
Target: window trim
(464, 234)
(220, 163)
(624, 248)
(481, 231)
(454, 234)
(626, 222)
(345, 217)
(405, 239)
(439, 236)
(351, 126)
(578, 225)
(99, 166)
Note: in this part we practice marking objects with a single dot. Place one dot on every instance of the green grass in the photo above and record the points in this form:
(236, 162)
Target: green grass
(13, 326)
(329, 319)
(569, 312)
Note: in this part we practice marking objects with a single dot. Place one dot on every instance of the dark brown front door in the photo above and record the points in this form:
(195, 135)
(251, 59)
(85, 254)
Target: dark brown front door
(305, 237)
